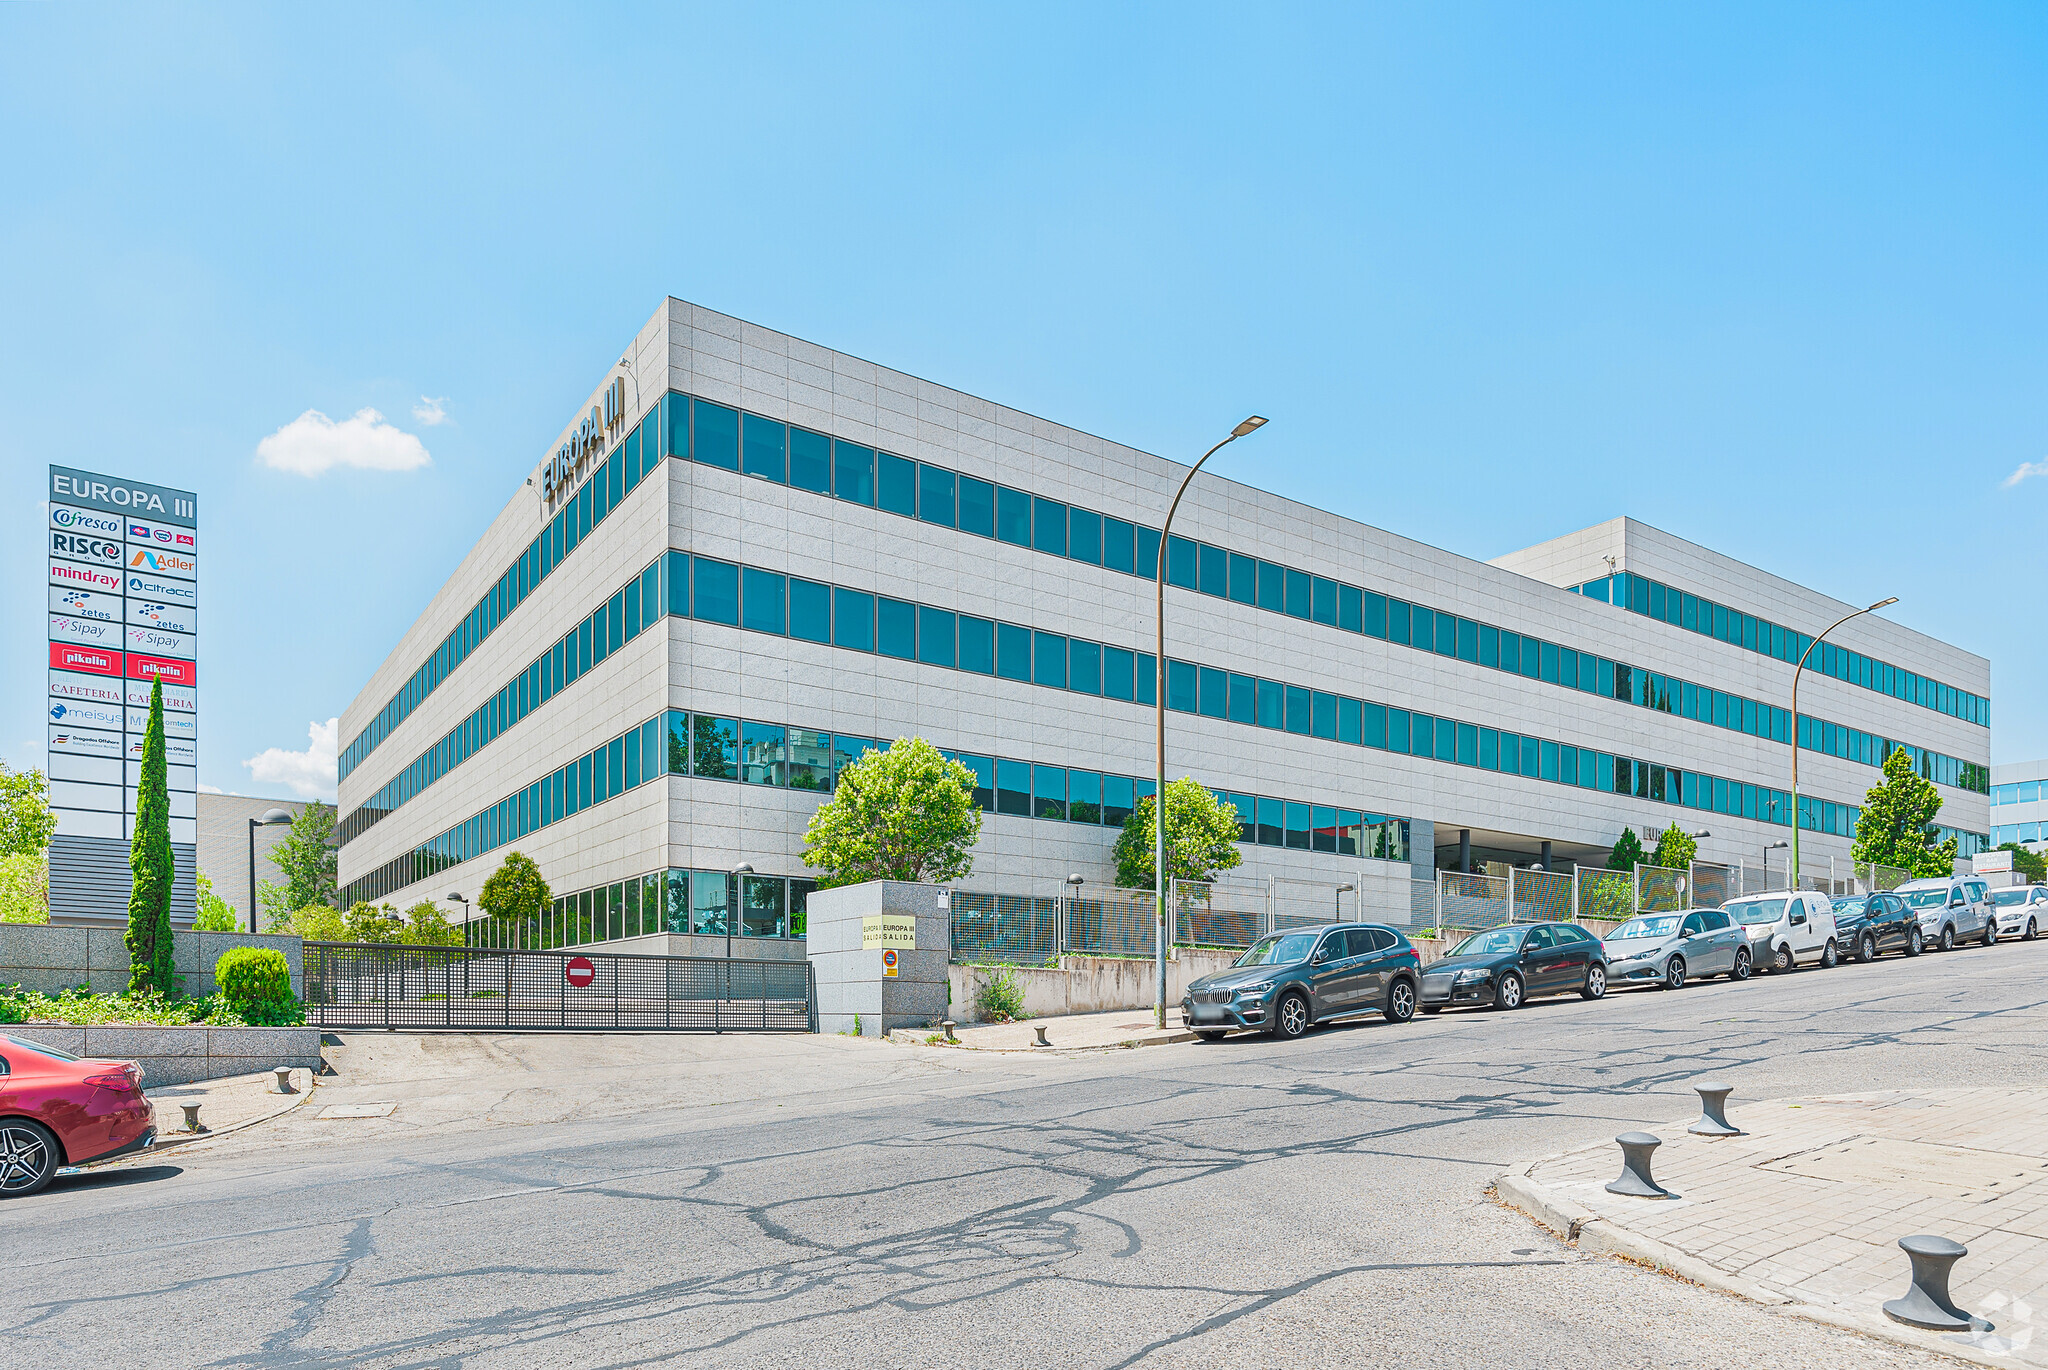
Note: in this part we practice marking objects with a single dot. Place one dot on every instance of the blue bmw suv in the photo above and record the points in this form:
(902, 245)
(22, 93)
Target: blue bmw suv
(1291, 981)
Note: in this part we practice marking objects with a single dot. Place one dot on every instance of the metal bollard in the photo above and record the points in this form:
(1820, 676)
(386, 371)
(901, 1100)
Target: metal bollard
(948, 1024)
(1635, 1167)
(1041, 1042)
(284, 1080)
(1713, 1119)
(192, 1123)
(1926, 1303)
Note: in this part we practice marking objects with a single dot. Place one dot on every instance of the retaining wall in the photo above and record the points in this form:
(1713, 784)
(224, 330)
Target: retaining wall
(181, 1055)
(48, 959)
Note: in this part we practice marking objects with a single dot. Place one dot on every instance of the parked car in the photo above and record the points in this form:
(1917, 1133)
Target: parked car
(1505, 966)
(1666, 949)
(1291, 981)
(2021, 910)
(1870, 925)
(1951, 910)
(1787, 930)
(58, 1110)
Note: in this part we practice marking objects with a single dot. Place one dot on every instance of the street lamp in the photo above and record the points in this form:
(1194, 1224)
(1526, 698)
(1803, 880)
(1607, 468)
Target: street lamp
(1074, 883)
(1770, 847)
(1795, 721)
(732, 906)
(269, 820)
(1159, 702)
(455, 897)
(1342, 890)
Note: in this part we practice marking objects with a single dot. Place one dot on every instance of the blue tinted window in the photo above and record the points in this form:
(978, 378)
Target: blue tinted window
(1489, 749)
(1375, 724)
(1013, 516)
(1213, 570)
(1350, 615)
(935, 636)
(1298, 825)
(676, 422)
(1468, 744)
(977, 507)
(1348, 724)
(1468, 640)
(1323, 715)
(853, 619)
(853, 472)
(1297, 709)
(762, 602)
(718, 588)
(1215, 687)
(935, 495)
(1375, 615)
(1180, 563)
(1013, 652)
(1243, 575)
(1049, 792)
(1084, 796)
(1148, 552)
(896, 628)
(1297, 593)
(1397, 730)
(1049, 660)
(896, 484)
(1399, 620)
(1323, 600)
(764, 448)
(1119, 546)
(1182, 686)
(1084, 536)
(1147, 677)
(810, 610)
(1118, 667)
(977, 645)
(718, 435)
(1244, 707)
(1085, 671)
(1272, 587)
(1422, 628)
(810, 461)
(1049, 526)
(1272, 705)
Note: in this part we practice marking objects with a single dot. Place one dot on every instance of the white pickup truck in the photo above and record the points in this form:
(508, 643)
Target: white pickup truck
(1787, 930)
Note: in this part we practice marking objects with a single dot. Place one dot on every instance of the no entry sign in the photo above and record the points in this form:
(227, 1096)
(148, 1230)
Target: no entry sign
(579, 972)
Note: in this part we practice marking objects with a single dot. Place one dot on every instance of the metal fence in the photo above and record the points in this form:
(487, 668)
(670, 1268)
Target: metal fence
(350, 985)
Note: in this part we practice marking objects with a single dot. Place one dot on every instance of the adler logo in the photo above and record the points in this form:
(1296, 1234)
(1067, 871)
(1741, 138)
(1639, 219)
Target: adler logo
(162, 562)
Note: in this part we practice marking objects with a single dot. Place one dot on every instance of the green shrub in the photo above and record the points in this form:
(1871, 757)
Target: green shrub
(256, 982)
(82, 1006)
(1000, 998)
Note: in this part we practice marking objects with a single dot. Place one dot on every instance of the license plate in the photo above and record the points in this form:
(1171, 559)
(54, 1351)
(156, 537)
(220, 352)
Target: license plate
(1209, 1013)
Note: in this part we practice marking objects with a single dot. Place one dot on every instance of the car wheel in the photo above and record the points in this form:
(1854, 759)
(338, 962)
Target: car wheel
(1990, 932)
(1210, 1036)
(28, 1157)
(1400, 1005)
(1866, 949)
(1948, 937)
(2029, 934)
(1782, 963)
(1674, 973)
(1290, 1016)
(1829, 956)
(1508, 994)
(1596, 983)
(1742, 965)
(1915, 943)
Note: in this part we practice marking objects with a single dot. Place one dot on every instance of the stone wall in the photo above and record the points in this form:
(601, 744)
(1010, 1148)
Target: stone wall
(181, 1055)
(49, 959)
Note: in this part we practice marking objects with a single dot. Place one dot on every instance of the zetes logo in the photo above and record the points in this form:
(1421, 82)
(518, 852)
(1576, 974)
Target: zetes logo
(83, 547)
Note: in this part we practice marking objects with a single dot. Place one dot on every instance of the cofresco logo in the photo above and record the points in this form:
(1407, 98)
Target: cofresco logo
(88, 522)
(149, 558)
(84, 548)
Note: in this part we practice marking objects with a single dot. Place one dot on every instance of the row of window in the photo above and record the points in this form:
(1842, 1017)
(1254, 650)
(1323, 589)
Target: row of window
(2020, 792)
(614, 623)
(2016, 832)
(608, 484)
(1669, 604)
(1853, 744)
(672, 901)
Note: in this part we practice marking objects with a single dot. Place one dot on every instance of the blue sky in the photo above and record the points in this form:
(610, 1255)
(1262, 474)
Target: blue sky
(1769, 277)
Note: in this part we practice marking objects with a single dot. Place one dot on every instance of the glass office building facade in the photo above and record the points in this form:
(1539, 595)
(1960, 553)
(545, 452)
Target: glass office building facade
(752, 559)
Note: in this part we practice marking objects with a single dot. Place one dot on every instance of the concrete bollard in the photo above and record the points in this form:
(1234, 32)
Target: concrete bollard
(948, 1024)
(1041, 1042)
(1713, 1119)
(284, 1080)
(1635, 1167)
(192, 1123)
(1926, 1302)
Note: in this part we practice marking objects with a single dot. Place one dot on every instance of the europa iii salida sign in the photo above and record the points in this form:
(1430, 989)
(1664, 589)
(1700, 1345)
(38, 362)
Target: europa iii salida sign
(124, 611)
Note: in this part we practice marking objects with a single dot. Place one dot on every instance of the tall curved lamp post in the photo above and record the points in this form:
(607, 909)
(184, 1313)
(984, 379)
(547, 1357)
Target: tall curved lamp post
(269, 820)
(1796, 671)
(1159, 703)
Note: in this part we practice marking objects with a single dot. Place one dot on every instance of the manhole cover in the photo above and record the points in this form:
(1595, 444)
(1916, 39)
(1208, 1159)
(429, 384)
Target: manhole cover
(1942, 1172)
(357, 1110)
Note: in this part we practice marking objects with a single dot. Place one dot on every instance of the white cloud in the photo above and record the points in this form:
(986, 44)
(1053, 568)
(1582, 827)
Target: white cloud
(308, 774)
(312, 443)
(432, 410)
(2025, 469)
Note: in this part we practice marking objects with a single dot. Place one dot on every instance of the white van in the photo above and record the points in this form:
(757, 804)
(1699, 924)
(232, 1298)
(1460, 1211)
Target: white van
(1951, 910)
(1787, 930)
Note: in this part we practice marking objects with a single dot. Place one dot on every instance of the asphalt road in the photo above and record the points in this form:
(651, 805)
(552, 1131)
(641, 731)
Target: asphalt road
(749, 1202)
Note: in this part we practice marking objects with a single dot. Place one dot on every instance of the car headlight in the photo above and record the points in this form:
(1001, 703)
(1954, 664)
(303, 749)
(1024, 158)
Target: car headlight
(1254, 991)
(1467, 977)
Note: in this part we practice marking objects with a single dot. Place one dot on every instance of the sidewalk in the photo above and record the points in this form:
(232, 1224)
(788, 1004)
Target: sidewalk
(1807, 1208)
(1124, 1027)
(224, 1104)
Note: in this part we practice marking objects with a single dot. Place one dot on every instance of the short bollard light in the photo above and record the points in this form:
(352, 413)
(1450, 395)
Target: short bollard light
(1041, 1042)
(1926, 1303)
(948, 1024)
(1713, 1119)
(192, 1123)
(284, 1080)
(1635, 1178)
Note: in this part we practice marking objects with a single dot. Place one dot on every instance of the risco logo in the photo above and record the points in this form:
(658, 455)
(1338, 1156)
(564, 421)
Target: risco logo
(85, 521)
(83, 547)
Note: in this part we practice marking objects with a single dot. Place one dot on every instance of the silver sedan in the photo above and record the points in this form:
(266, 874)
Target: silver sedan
(1667, 949)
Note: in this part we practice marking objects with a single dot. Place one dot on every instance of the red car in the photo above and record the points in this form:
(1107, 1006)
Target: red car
(57, 1110)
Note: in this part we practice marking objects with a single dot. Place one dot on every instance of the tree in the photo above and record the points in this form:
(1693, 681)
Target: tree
(427, 926)
(906, 813)
(365, 922)
(1897, 828)
(1628, 852)
(315, 923)
(150, 865)
(516, 890)
(26, 820)
(1675, 849)
(2026, 863)
(214, 913)
(1202, 833)
(25, 888)
(306, 857)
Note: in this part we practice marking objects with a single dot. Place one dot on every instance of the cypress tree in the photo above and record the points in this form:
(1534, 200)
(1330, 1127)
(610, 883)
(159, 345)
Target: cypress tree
(149, 862)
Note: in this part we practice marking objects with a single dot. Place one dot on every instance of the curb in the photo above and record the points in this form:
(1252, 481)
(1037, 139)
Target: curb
(1127, 1044)
(1591, 1233)
(171, 1141)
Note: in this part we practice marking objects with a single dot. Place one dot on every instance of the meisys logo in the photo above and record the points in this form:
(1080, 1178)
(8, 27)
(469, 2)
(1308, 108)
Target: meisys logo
(84, 547)
(85, 521)
(86, 715)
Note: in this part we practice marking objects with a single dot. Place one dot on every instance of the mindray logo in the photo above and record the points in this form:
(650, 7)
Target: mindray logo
(104, 580)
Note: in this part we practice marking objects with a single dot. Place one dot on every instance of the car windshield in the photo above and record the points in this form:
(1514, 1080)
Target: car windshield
(41, 1050)
(1647, 927)
(1753, 911)
(1285, 950)
(1848, 906)
(2008, 896)
(1490, 943)
(1926, 899)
